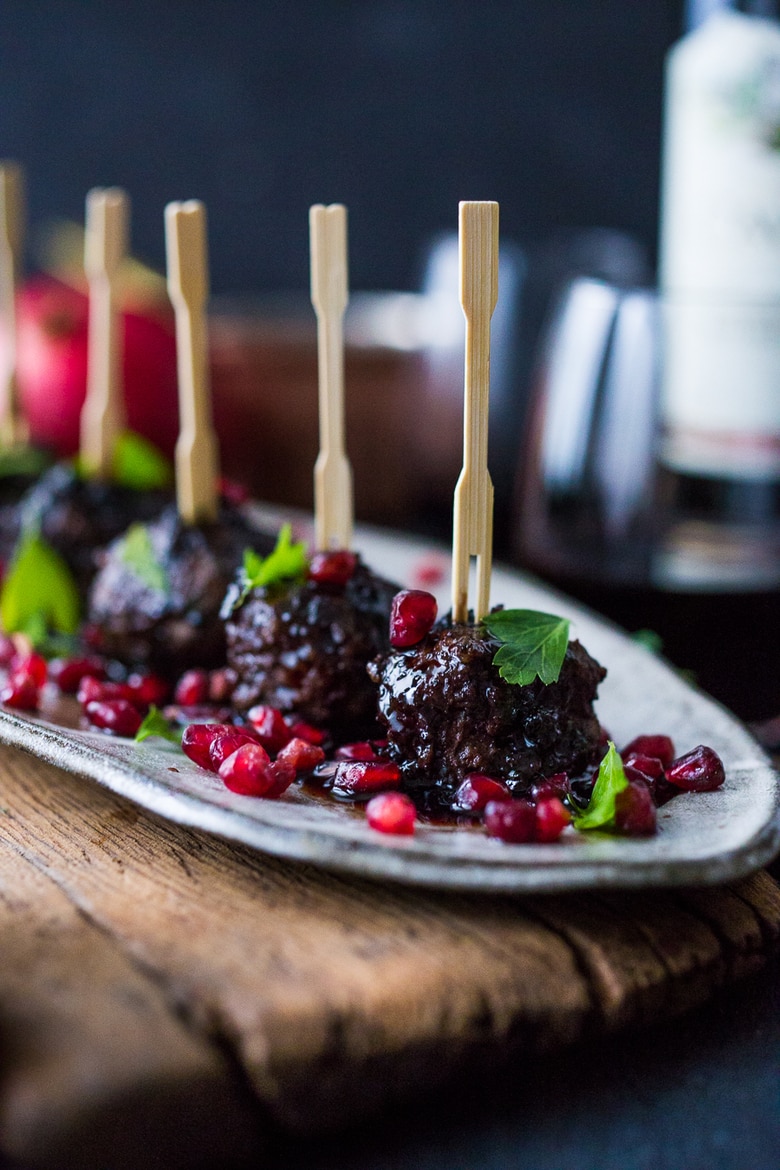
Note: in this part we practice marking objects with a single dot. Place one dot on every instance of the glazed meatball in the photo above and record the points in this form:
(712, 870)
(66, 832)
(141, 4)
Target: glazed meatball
(447, 712)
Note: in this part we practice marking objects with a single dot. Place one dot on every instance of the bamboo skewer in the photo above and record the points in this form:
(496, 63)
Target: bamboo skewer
(105, 247)
(11, 235)
(197, 462)
(473, 502)
(333, 507)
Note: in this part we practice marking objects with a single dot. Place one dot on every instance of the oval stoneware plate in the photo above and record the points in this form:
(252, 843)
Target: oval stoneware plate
(702, 838)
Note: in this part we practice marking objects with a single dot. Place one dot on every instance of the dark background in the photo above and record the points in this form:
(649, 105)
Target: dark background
(399, 108)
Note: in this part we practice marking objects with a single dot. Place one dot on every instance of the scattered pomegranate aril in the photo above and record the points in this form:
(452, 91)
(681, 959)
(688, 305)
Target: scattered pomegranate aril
(476, 792)
(95, 690)
(649, 766)
(635, 814)
(68, 673)
(412, 614)
(7, 650)
(219, 686)
(192, 688)
(197, 739)
(248, 771)
(699, 770)
(233, 491)
(119, 716)
(301, 730)
(283, 775)
(660, 746)
(391, 812)
(362, 750)
(30, 666)
(271, 728)
(555, 785)
(21, 693)
(224, 745)
(551, 819)
(301, 755)
(513, 821)
(200, 713)
(332, 568)
(357, 777)
(149, 689)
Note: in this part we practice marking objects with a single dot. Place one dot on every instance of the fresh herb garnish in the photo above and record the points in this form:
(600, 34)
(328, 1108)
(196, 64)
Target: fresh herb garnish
(138, 464)
(155, 723)
(38, 592)
(533, 644)
(649, 639)
(611, 779)
(137, 552)
(287, 562)
(23, 460)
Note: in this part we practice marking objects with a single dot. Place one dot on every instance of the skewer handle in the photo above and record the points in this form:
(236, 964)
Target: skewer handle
(333, 506)
(473, 502)
(188, 287)
(12, 426)
(105, 247)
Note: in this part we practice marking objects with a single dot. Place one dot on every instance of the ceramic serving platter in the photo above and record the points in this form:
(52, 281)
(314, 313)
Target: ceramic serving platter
(703, 838)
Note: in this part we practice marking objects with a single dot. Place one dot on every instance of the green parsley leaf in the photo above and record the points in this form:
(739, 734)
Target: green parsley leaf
(155, 723)
(534, 644)
(23, 460)
(138, 464)
(287, 562)
(601, 808)
(38, 591)
(137, 552)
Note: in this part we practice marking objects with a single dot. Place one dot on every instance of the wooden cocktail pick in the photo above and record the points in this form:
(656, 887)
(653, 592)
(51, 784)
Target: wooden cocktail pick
(473, 503)
(333, 509)
(105, 247)
(197, 463)
(11, 236)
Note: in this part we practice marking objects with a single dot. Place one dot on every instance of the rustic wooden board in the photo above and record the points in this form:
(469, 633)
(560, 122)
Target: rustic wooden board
(143, 960)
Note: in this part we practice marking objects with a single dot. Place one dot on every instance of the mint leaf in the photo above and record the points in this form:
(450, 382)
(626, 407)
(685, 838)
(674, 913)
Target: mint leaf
(138, 464)
(287, 562)
(38, 592)
(137, 552)
(534, 644)
(155, 723)
(601, 808)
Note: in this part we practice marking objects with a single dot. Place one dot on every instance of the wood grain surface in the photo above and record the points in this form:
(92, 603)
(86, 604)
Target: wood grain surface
(202, 993)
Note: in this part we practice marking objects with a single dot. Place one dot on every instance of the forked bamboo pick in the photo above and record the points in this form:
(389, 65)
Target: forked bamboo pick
(333, 511)
(105, 247)
(197, 463)
(473, 503)
(11, 235)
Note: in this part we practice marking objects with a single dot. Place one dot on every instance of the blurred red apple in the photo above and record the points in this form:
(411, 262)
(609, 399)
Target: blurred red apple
(52, 367)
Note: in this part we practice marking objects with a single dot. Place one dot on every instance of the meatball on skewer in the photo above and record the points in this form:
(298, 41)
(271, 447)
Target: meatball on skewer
(301, 646)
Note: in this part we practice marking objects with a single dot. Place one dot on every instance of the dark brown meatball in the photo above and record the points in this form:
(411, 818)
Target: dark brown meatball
(168, 619)
(77, 517)
(447, 712)
(303, 648)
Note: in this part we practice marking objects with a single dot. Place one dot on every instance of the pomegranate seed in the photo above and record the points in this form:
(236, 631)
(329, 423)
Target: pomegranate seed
(354, 777)
(7, 650)
(476, 792)
(192, 688)
(232, 491)
(649, 766)
(555, 785)
(119, 716)
(202, 713)
(391, 812)
(634, 810)
(551, 819)
(301, 730)
(272, 731)
(412, 614)
(659, 746)
(248, 771)
(700, 770)
(32, 667)
(513, 821)
(300, 755)
(224, 745)
(197, 739)
(148, 689)
(95, 690)
(332, 568)
(283, 776)
(219, 686)
(21, 693)
(67, 673)
(362, 750)
(430, 572)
